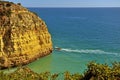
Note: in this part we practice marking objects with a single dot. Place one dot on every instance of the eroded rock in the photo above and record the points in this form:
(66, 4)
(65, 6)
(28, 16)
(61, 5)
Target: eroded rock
(24, 36)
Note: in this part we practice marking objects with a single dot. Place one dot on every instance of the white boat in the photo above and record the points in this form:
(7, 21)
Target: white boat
(57, 48)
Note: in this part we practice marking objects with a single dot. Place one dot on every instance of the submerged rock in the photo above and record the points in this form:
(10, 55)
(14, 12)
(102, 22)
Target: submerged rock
(24, 36)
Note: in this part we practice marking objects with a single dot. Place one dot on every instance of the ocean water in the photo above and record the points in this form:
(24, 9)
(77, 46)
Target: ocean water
(83, 34)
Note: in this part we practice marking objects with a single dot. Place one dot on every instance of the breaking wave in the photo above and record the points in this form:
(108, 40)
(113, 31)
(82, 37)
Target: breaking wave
(90, 51)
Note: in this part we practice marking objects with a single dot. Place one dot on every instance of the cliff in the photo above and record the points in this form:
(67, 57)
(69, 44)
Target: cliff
(24, 36)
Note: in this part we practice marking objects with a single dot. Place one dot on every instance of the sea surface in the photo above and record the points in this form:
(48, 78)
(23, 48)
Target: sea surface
(83, 34)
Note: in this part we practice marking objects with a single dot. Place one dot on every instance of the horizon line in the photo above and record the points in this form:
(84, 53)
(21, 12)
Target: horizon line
(73, 7)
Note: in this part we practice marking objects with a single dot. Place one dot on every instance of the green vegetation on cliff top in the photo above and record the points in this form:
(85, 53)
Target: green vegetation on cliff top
(95, 71)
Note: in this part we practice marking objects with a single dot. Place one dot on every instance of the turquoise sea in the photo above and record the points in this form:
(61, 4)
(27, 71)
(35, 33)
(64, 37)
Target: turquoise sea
(84, 34)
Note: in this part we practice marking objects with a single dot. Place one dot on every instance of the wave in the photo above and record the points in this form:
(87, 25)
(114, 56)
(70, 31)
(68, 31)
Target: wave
(89, 51)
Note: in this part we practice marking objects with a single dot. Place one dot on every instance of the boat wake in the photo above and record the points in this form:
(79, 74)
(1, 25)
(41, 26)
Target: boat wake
(89, 51)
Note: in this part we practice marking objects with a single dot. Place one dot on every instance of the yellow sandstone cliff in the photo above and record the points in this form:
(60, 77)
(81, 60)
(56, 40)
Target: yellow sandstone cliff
(24, 36)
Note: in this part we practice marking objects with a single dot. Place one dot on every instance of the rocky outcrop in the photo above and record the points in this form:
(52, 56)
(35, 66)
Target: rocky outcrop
(24, 36)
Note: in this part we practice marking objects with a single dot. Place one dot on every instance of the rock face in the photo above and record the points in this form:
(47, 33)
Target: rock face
(24, 36)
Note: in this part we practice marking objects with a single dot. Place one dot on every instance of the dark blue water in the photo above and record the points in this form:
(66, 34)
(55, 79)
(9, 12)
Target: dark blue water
(84, 34)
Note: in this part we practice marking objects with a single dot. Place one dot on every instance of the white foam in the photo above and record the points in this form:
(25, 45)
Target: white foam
(90, 51)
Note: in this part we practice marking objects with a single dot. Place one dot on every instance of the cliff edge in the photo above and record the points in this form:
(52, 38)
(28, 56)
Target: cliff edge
(24, 36)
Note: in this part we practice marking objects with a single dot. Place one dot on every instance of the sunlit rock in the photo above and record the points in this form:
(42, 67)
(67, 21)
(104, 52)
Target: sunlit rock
(24, 36)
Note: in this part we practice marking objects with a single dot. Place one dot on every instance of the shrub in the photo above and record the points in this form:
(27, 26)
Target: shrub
(95, 71)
